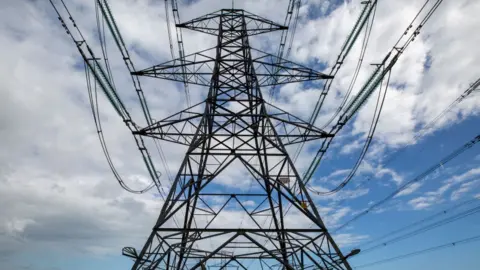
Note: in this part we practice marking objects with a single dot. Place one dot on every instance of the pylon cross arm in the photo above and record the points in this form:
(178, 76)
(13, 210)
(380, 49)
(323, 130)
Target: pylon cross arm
(198, 68)
(181, 127)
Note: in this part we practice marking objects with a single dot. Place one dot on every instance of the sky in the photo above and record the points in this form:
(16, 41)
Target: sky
(63, 209)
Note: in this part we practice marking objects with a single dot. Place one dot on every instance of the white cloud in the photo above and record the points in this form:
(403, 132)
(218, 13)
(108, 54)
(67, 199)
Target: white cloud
(464, 176)
(464, 188)
(395, 177)
(333, 178)
(422, 202)
(348, 240)
(429, 198)
(333, 215)
(249, 203)
(350, 147)
(434, 197)
(409, 190)
(339, 172)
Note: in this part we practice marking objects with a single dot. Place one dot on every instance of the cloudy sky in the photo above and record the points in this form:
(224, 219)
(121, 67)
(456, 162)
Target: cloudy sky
(61, 207)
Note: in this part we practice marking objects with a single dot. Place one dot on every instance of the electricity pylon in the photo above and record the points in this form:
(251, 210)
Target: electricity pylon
(236, 125)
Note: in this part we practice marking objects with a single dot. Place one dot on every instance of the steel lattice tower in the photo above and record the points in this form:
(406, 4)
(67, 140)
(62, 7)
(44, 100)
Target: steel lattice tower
(236, 125)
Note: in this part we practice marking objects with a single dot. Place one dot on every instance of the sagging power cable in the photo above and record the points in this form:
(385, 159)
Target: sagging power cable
(93, 98)
(103, 80)
(371, 132)
(104, 8)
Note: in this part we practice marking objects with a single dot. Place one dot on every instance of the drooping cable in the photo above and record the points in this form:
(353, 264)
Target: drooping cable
(103, 4)
(367, 15)
(93, 98)
(92, 95)
(375, 119)
(103, 7)
(104, 14)
(103, 80)
(313, 118)
(371, 132)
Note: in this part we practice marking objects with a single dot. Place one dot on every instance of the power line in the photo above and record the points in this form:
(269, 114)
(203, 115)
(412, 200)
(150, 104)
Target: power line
(181, 50)
(167, 19)
(367, 89)
(109, 18)
(283, 39)
(424, 229)
(362, 20)
(363, 50)
(102, 6)
(423, 251)
(420, 177)
(419, 222)
(93, 98)
(103, 79)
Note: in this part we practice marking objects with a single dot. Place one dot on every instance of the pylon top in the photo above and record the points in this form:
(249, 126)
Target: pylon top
(209, 23)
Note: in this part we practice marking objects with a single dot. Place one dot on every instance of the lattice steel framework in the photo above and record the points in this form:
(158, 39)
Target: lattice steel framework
(236, 125)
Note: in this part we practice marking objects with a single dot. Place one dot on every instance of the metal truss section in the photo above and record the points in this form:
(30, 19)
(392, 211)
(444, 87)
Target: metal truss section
(198, 68)
(254, 24)
(179, 128)
(235, 132)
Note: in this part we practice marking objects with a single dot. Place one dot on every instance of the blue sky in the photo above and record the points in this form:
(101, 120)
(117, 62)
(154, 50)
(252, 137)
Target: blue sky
(66, 211)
